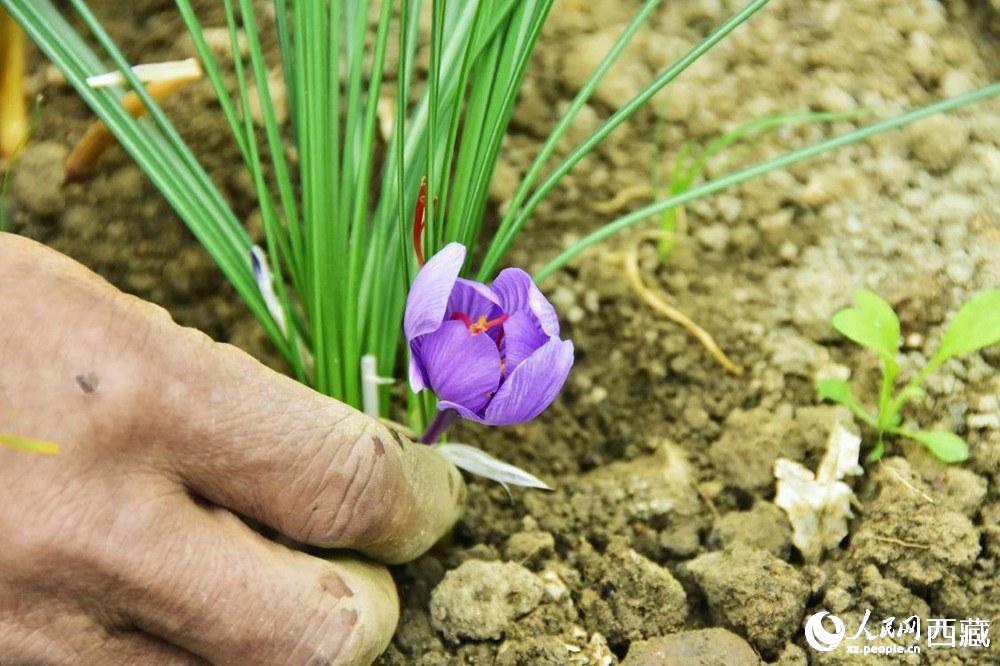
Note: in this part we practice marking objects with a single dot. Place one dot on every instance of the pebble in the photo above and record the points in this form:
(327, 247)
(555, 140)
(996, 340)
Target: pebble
(622, 82)
(597, 395)
(983, 421)
(920, 56)
(479, 600)
(279, 99)
(563, 297)
(939, 141)
(777, 221)
(699, 647)
(530, 546)
(960, 267)
(834, 98)
(555, 589)
(713, 236)
(37, 180)
(753, 592)
(898, 515)
(764, 526)
(955, 82)
(630, 597)
(729, 207)
(788, 251)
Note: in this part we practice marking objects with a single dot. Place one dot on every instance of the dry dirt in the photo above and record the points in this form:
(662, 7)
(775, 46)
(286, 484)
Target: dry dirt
(662, 522)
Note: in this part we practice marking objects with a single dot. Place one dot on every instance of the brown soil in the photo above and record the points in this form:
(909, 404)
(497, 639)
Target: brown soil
(662, 519)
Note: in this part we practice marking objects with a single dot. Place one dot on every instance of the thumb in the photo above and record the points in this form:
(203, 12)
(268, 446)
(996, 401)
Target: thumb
(320, 472)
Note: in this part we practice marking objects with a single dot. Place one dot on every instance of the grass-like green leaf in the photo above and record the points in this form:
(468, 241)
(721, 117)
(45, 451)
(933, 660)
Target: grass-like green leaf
(782, 161)
(946, 446)
(973, 327)
(871, 323)
(29, 444)
(689, 165)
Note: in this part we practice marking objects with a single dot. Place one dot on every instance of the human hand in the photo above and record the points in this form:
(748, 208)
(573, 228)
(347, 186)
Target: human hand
(124, 548)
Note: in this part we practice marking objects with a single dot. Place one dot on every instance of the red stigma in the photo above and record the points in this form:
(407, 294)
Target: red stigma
(481, 324)
(418, 222)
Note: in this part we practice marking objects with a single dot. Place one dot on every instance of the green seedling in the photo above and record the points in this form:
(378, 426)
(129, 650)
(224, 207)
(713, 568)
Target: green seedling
(691, 160)
(872, 323)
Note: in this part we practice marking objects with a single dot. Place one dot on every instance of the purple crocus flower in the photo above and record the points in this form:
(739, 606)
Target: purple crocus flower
(491, 354)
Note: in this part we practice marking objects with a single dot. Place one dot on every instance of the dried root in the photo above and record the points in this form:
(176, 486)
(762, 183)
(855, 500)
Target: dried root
(658, 303)
(623, 198)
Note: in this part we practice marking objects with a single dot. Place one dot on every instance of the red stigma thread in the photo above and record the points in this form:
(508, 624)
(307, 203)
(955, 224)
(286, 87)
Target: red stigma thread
(418, 222)
(480, 324)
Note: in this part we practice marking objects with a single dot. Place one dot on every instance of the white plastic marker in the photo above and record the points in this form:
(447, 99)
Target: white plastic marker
(173, 70)
(370, 381)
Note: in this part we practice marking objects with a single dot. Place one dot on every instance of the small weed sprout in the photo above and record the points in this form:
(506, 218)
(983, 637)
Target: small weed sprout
(872, 323)
(691, 161)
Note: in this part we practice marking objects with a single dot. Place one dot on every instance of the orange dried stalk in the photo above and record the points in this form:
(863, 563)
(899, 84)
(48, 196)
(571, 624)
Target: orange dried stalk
(82, 161)
(13, 110)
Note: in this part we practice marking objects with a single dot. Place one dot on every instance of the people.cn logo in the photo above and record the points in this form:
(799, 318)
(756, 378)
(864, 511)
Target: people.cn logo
(821, 639)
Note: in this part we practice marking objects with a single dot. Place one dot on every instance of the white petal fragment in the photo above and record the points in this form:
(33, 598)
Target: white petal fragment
(188, 70)
(478, 462)
(819, 506)
(265, 282)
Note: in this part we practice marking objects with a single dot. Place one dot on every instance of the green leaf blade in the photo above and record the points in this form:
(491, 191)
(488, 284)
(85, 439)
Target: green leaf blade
(870, 323)
(975, 326)
(834, 390)
(839, 391)
(946, 446)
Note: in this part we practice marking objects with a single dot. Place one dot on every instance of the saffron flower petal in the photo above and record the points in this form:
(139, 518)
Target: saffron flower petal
(428, 298)
(522, 337)
(473, 299)
(417, 380)
(517, 291)
(532, 386)
(491, 354)
(462, 410)
(460, 366)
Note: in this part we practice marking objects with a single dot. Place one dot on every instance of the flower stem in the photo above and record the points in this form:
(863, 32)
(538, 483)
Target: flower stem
(441, 422)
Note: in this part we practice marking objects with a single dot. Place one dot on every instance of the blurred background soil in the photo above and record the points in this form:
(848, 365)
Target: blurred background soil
(661, 537)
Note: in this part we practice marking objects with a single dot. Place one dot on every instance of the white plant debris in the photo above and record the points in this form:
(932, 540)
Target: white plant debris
(265, 283)
(819, 506)
(478, 462)
(185, 70)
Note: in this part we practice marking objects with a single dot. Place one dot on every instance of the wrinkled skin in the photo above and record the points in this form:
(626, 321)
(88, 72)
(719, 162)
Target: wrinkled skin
(125, 547)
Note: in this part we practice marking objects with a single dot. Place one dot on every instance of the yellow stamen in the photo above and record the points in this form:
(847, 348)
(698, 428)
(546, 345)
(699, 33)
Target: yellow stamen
(479, 326)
